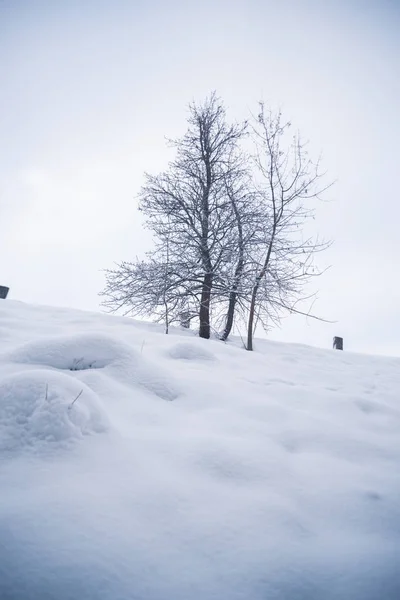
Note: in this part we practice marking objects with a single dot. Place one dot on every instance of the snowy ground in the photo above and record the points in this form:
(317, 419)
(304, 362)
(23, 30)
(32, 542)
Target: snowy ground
(173, 468)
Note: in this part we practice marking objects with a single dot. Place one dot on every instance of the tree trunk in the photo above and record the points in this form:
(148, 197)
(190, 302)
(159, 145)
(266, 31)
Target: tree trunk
(238, 274)
(255, 290)
(251, 315)
(204, 314)
(229, 316)
(232, 301)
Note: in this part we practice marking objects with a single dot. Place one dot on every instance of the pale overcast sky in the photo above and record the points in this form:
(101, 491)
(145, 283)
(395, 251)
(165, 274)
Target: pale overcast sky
(89, 89)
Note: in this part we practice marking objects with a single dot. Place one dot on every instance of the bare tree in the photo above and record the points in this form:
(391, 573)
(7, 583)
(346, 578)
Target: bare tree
(229, 229)
(287, 181)
(191, 197)
(155, 288)
(247, 221)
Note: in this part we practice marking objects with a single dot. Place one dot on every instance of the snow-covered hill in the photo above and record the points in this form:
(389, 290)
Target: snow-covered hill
(140, 466)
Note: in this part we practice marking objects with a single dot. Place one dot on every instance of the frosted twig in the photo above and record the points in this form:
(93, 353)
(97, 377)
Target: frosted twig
(76, 363)
(73, 401)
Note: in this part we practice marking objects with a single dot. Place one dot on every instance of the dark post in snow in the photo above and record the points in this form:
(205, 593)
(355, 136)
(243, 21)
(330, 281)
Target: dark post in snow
(3, 292)
(185, 319)
(337, 343)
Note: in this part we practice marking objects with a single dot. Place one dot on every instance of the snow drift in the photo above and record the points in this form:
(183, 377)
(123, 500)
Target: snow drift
(136, 465)
(37, 407)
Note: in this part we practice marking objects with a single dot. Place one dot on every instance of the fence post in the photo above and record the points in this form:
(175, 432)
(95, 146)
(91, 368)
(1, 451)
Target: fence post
(3, 292)
(337, 343)
(185, 319)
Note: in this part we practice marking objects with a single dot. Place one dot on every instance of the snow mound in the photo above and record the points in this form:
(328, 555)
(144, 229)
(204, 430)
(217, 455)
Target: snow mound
(187, 351)
(275, 474)
(37, 408)
(73, 353)
(85, 352)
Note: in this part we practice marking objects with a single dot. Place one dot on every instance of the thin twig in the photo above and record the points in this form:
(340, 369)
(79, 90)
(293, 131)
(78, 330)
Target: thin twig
(73, 401)
(76, 363)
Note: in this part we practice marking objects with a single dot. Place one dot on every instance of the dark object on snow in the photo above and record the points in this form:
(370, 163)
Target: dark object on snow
(185, 319)
(3, 292)
(337, 343)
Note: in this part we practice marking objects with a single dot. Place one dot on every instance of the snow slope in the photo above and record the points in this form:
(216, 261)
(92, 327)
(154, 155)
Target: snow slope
(140, 466)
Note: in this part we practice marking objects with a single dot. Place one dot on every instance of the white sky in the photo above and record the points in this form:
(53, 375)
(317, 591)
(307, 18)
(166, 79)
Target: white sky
(89, 89)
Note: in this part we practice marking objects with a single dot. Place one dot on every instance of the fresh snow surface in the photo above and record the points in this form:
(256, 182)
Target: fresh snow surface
(142, 466)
